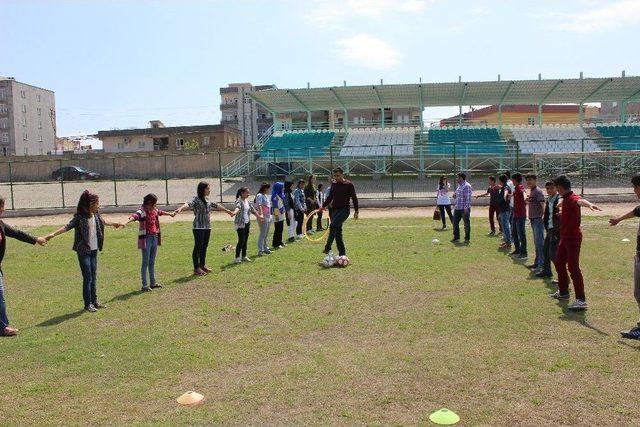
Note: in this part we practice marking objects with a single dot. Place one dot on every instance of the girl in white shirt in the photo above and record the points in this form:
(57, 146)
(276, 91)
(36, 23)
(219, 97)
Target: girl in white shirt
(264, 207)
(443, 200)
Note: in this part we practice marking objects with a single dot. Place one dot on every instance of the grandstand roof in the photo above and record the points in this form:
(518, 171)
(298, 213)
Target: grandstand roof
(505, 92)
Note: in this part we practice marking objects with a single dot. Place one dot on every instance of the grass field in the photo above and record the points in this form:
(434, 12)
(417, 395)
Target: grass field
(408, 328)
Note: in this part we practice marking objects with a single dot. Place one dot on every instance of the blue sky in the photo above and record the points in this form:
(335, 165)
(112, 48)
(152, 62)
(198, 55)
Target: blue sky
(118, 64)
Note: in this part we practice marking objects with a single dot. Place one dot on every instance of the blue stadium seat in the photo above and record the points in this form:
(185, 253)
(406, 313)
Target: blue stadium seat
(297, 145)
(623, 137)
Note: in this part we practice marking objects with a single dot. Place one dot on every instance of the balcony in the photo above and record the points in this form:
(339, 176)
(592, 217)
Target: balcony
(231, 106)
(224, 90)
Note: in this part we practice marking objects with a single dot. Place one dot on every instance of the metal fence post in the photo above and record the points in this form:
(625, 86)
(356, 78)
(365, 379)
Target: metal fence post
(455, 167)
(331, 160)
(393, 193)
(517, 155)
(582, 170)
(11, 186)
(115, 184)
(166, 180)
(62, 183)
(220, 173)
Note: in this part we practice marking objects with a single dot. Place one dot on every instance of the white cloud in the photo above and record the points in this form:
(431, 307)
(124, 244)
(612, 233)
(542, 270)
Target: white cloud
(368, 51)
(613, 15)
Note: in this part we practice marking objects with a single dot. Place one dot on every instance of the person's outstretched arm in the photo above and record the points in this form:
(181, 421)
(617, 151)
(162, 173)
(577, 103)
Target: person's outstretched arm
(23, 237)
(72, 224)
(587, 204)
(631, 214)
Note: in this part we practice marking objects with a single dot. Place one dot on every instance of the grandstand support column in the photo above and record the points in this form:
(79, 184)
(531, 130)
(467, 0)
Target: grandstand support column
(623, 111)
(308, 120)
(393, 192)
(499, 117)
(504, 96)
(540, 115)
(581, 116)
(382, 117)
(375, 90)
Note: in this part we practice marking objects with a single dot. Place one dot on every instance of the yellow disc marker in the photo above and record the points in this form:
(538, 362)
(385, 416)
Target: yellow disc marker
(304, 227)
(190, 398)
(444, 417)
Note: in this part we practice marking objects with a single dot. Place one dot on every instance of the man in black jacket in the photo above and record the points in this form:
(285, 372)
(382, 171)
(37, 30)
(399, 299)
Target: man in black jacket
(551, 221)
(7, 231)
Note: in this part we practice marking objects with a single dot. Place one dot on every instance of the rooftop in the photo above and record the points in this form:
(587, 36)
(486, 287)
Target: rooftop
(174, 130)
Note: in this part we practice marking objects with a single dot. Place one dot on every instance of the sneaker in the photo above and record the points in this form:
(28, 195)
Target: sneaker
(90, 308)
(199, 272)
(310, 232)
(514, 253)
(9, 332)
(557, 295)
(532, 267)
(326, 251)
(544, 274)
(237, 260)
(291, 239)
(158, 285)
(246, 259)
(205, 269)
(632, 334)
(454, 240)
(493, 233)
(505, 245)
(522, 256)
(319, 229)
(467, 241)
(578, 305)
(145, 289)
(267, 251)
(300, 237)
(555, 282)
(99, 305)
(260, 253)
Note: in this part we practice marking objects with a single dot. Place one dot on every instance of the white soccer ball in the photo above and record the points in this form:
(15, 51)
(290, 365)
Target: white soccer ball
(328, 261)
(343, 261)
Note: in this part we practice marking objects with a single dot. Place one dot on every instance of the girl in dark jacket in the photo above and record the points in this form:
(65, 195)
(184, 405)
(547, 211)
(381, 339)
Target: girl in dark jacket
(7, 231)
(87, 241)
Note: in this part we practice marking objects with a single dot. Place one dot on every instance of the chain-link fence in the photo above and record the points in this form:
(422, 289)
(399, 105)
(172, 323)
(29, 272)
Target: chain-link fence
(393, 172)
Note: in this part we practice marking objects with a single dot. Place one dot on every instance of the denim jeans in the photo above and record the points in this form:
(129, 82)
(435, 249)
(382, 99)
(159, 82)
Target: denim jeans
(201, 243)
(550, 250)
(338, 217)
(243, 237)
(264, 232)
(4, 320)
(519, 235)
(505, 220)
(89, 269)
(465, 215)
(538, 239)
(149, 260)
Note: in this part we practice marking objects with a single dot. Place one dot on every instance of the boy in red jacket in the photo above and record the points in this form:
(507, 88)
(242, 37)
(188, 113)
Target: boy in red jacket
(568, 255)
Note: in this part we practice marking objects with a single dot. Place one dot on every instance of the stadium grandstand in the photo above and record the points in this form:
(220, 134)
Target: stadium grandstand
(294, 144)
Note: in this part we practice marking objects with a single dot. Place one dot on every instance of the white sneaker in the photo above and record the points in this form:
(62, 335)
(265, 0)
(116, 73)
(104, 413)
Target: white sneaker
(300, 237)
(246, 259)
(237, 260)
(267, 251)
(578, 305)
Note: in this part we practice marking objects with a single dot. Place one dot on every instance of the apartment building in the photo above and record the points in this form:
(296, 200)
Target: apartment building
(157, 137)
(27, 119)
(242, 112)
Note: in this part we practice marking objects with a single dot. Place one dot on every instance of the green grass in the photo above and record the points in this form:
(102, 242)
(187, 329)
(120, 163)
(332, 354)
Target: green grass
(408, 328)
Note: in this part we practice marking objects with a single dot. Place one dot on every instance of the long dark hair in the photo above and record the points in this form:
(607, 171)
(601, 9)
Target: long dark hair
(443, 178)
(287, 186)
(240, 191)
(264, 186)
(310, 183)
(201, 187)
(87, 198)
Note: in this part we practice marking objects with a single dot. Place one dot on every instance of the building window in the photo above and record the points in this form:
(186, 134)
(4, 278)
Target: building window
(5, 151)
(5, 137)
(40, 138)
(39, 111)
(3, 93)
(4, 122)
(39, 124)
(38, 98)
(25, 136)
(24, 121)
(3, 108)
(205, 140)
(24, 108)
(23, 94)
(120, 145)
(141, 144)
(531, 121)
(179, 142)
(125, 140)
(26, 151)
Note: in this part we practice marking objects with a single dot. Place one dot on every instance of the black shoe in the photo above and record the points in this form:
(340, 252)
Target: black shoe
(90, 308)
(493, 233)
(467, 241)
(454, 240)
(326, 251)
(291, 239)
(523, 256)
(532, 267)
(514, 253)
(632, 334)
(156, 286)
(145, 289)
(544, 274)
(99, 305)
(555, 282)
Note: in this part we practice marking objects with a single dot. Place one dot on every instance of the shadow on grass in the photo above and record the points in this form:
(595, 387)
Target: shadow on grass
(186, 279)
(126, 296)
(577, 316)
(626, 343)
(60, 319)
